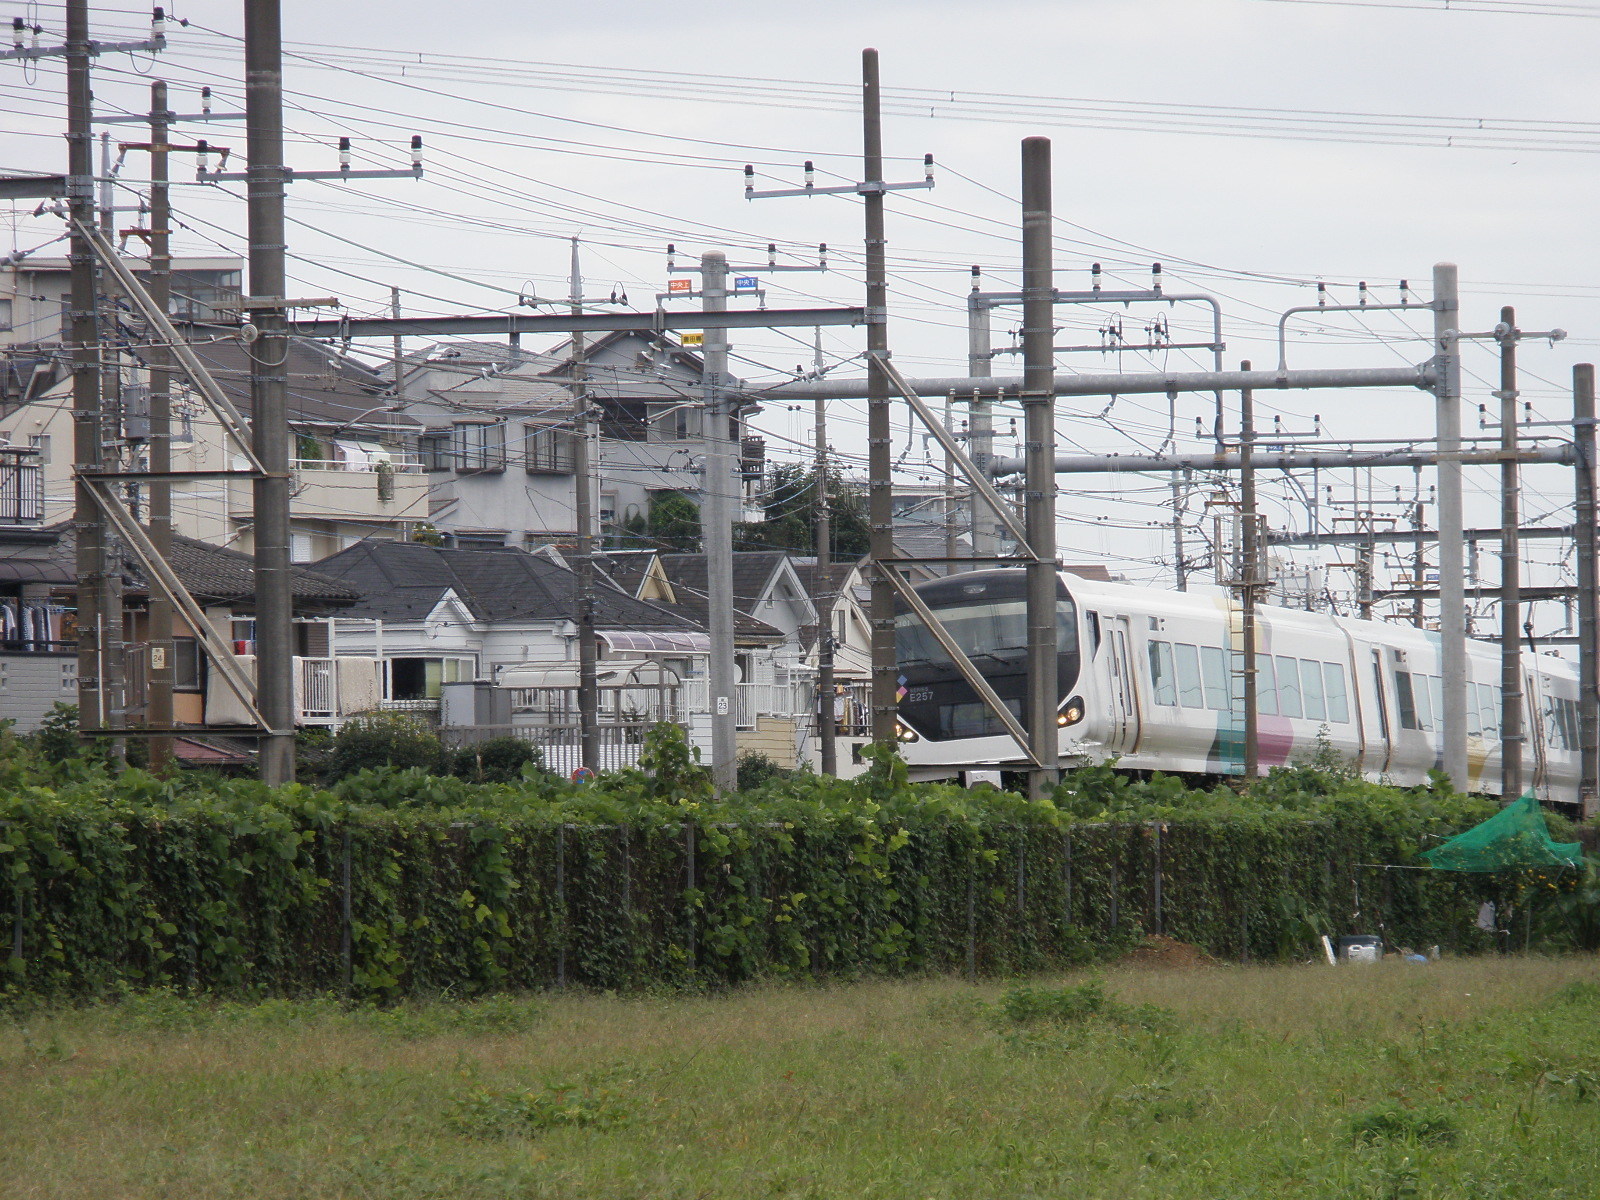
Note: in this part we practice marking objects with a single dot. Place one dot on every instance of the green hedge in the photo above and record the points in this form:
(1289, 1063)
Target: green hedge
(398, 883)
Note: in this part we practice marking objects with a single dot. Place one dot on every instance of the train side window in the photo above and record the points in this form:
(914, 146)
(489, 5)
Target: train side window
(1288, 687)
(1311, 690)
(1161, 678)
(1422, 696)
(1094, 632)
(1569, 709)
(1190, 693)
(1266, 686)
(1552, 725)
(1408, 702)
(1491, 727)
(1334, 693)
(1436, 691)
(1474, 725)
(1214, 670)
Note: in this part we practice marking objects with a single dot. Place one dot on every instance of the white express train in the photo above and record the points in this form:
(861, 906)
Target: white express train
(1152, 678)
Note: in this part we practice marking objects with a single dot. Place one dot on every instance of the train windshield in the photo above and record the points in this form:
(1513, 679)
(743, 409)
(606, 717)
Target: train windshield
(985, 614)
(982, 631)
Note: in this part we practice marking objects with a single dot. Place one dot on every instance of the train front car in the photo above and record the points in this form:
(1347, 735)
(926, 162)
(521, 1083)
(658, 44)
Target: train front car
(944, 726)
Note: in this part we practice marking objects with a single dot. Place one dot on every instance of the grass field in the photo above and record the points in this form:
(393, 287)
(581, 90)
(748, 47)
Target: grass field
(1457, 1079)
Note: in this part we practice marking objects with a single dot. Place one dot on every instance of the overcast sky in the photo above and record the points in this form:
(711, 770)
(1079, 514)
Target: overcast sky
(546, 121)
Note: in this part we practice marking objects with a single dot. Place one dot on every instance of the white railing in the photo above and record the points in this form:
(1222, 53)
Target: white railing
(647, 703)
(319, 687)
(559, 747)
(752, 700)
(400, 464)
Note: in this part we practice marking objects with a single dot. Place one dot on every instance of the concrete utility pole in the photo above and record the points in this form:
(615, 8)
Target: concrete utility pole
(1512, 737)
(880, 461)
(583, 517)
(84, 332)
(828, 599)
(1039, 418)
(1452, 601)
(269, 425)
(980, 415)
(1583, 518)
(113, 632)
(161, 675)
(716, 528)
(1249, 579)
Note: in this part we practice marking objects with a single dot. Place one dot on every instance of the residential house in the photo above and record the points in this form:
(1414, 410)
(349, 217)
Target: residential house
(38, 651)
(356, 474)
(498, 450)
(504, 620)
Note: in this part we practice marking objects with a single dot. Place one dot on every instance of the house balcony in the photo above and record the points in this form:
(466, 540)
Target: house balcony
(363, 491)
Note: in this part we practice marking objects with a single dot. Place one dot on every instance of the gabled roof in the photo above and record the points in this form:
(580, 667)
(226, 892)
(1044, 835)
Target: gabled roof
(403, 581)
(212, 574)
(752, 573)
(627, 568)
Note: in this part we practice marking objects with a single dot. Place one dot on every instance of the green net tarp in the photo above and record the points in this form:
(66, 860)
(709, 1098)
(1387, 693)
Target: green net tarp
(1514, 837)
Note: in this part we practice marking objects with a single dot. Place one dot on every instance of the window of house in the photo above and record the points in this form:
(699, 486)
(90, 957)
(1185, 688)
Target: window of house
(5, 314)
(41, 443)
(608, 510)
(547, 449)
(423, 678)
(188, 665)
(434, 449)
(300, 548)
(479, 447)
(69, 675)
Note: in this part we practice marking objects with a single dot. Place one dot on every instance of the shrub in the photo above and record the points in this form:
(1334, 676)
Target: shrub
(1076, 1005)
(756, 769)
(1393, 1123)
(507, 1114)
(494, 760)
(384, 739)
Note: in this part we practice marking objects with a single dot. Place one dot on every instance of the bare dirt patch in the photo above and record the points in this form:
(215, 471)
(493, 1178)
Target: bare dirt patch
(1162, 953)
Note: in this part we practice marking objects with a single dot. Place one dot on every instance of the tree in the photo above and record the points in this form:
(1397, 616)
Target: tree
(791, 515)
(674, 522)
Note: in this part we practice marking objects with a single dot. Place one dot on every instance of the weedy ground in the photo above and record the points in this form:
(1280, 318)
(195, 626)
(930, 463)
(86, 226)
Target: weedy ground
(1457, 1079)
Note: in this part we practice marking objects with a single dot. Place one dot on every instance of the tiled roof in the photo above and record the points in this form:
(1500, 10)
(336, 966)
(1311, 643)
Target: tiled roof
(404, 581)
(751, 571)
(212, 574)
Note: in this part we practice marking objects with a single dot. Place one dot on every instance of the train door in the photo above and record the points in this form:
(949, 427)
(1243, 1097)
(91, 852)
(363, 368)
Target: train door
(1382, 741)
(1535, 761)
(1124, 733)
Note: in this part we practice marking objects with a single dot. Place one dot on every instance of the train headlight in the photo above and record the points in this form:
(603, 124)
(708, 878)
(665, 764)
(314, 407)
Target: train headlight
(905, 733)
(1071, 714)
